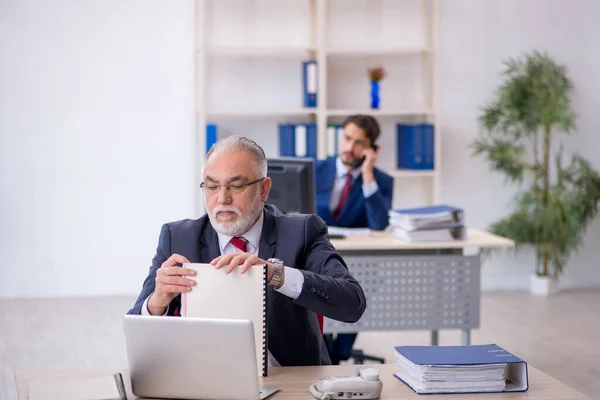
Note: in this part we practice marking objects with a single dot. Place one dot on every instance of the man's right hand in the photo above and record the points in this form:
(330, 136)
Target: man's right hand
(170, 282)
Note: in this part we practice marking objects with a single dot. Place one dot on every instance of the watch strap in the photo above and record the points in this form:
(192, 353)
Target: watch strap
(277, 278)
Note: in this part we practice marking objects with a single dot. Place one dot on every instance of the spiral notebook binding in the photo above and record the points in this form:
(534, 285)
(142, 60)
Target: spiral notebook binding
(264, 338)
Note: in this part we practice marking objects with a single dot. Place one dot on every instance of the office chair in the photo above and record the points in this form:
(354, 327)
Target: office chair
(356, 354)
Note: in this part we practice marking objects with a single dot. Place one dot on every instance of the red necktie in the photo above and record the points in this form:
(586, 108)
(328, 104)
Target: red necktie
(343, 197)
(239, 242)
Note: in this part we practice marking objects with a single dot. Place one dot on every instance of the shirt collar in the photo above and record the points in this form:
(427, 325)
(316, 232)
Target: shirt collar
(341, 171)
(252, 235)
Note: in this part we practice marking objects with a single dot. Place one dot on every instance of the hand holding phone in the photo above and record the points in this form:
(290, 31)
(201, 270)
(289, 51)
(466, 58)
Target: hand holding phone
(359, 162)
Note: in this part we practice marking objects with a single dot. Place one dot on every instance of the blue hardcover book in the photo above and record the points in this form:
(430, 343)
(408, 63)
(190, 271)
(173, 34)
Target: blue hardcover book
(460, 369)
(410, 154)
(415, 146)
(287, 140)
(309, 83)
(428, 146)
(211, 135)
(311, 141)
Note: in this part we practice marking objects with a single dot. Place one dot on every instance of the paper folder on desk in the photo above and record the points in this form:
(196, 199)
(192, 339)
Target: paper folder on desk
(436, 217)
(431, 234)
(460, 369)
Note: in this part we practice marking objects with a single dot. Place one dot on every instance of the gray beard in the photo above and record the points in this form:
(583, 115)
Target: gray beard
(243, 223)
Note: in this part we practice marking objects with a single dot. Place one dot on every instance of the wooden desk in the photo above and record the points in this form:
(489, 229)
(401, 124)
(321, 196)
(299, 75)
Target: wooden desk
(294, 383)
(385, 240)
(416, 286)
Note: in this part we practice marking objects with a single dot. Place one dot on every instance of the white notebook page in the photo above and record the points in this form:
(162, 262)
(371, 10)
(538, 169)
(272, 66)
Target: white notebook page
(229, 296)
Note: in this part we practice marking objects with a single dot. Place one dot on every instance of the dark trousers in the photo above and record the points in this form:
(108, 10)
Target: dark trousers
(339, 347)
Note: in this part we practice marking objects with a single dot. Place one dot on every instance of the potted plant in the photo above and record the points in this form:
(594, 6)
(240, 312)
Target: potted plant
(556, 200)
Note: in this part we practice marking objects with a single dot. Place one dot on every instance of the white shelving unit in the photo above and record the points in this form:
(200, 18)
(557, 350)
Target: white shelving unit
(249, 71)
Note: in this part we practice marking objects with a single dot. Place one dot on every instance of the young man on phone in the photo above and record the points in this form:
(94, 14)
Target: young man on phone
(352, 193)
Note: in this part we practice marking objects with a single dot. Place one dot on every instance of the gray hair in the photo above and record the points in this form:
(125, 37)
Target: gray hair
(241, 143)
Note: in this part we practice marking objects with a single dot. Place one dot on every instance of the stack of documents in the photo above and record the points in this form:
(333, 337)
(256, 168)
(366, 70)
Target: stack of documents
(460, 369)
(434, 223)
(347, 232)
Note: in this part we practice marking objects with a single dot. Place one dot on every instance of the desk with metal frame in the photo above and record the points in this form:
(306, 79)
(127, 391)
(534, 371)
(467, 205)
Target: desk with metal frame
(416, 286)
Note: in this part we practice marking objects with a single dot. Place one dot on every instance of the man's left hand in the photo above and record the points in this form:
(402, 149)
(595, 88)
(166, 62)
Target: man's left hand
(243, 261)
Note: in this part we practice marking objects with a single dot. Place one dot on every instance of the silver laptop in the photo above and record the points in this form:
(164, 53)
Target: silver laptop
(192, 358)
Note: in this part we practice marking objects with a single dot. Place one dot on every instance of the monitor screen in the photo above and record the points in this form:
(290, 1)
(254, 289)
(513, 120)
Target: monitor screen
(293, 189)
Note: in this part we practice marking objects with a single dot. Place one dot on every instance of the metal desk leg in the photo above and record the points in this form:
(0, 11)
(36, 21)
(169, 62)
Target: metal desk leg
(434, 337)
(465, 338)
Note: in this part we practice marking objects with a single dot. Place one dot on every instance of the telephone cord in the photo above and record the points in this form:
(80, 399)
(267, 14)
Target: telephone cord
(318, 395)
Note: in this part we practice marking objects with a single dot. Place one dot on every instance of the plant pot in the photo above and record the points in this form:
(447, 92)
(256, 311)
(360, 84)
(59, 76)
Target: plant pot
(543, 285)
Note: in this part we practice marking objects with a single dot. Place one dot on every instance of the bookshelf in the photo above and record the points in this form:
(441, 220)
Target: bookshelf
(249, 72)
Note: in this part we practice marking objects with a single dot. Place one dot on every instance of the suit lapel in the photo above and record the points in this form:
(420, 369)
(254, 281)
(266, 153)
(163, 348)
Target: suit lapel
(209, 244)
(268, 236)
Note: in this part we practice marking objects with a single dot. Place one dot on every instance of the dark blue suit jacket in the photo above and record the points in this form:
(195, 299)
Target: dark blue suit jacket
(358, 212)
(294, 336)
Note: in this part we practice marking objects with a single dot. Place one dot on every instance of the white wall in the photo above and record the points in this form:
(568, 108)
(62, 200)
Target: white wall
(475, 37)
(97, 127)
(96, 141)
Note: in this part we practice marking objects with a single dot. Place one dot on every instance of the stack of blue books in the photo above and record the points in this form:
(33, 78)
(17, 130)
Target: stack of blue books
(437, 223)
(460, 369)
(295, 140)
(298, 140)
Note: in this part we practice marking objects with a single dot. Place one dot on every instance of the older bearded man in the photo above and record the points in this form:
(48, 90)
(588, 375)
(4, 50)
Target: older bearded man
(306, 275)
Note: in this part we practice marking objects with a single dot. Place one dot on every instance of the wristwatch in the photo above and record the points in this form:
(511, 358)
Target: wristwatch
(277, 278)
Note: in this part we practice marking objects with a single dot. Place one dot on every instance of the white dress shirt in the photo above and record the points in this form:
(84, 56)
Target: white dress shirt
(340, 181)
(292, 284)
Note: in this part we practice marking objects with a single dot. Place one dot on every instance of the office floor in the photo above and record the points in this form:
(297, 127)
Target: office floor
(558, 335)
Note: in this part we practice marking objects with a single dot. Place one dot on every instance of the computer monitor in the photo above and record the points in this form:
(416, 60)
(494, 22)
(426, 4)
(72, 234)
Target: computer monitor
(293, 189)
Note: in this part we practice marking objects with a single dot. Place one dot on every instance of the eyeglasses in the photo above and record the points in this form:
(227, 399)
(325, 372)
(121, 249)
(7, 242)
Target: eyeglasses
(213, 189)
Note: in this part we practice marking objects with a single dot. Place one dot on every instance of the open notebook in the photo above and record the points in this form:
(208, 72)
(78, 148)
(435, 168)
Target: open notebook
(231, 296)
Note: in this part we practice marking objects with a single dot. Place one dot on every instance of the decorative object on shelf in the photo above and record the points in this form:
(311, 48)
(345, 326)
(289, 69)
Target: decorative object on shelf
(415, 146)
(376, 75)
(552, 212)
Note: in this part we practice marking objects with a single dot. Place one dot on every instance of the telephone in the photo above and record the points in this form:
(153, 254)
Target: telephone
(357, 163)
(365, 385)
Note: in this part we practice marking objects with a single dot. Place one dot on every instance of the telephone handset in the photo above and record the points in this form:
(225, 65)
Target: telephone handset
(357, 163)
(365, 385)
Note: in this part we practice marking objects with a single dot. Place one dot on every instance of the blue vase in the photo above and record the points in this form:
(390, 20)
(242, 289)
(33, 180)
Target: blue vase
(374, 94)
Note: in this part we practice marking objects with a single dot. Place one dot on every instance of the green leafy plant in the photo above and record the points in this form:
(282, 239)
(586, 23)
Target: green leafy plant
(555, 202)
